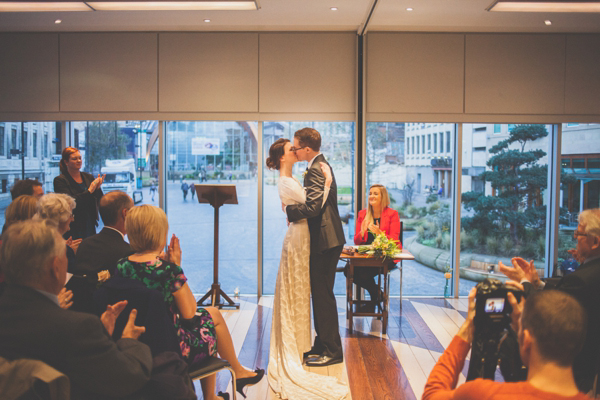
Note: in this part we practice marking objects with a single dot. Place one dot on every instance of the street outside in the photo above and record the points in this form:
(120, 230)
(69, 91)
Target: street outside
(192, 222)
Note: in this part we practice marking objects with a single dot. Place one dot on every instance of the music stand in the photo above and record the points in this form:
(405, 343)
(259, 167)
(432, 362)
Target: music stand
(217, 195)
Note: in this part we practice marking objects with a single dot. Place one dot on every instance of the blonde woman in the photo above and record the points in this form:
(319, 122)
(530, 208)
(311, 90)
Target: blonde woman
(201, 334)
(376, 219)
(22, 208)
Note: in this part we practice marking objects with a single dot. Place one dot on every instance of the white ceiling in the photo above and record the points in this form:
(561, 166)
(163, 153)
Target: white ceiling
(313, 15)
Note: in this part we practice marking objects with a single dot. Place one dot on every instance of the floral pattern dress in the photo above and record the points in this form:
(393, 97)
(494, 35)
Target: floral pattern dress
(197, 336)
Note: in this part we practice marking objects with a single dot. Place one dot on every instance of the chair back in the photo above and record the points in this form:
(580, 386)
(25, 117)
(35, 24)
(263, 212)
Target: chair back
(152, 311)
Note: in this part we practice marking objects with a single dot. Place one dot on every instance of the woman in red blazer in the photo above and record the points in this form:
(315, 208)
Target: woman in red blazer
(377, 218)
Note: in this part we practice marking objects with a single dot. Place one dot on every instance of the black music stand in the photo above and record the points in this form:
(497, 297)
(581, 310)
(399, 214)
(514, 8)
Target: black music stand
(216, 195)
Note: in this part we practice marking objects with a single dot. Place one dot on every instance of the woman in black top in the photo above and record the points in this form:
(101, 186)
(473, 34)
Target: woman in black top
(84, 189)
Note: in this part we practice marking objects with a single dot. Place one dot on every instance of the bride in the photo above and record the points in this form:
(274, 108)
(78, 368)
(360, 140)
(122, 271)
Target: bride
(291, 328)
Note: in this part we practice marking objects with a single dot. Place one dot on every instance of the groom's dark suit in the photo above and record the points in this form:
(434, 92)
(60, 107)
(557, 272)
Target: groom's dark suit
(326, 243)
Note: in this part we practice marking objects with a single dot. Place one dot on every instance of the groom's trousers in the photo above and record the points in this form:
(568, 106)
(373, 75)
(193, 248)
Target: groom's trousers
(322, 279)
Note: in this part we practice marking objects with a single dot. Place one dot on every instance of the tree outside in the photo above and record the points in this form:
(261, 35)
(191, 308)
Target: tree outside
(106, 142)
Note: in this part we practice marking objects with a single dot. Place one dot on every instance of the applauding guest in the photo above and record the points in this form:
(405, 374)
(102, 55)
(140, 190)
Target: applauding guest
(97, 255)
(34, 262)
(202, 333)
(376, 219)
(84, 188)
(582, 284)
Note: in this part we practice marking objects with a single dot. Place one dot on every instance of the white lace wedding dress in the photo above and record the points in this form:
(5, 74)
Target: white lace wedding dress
(291, 329)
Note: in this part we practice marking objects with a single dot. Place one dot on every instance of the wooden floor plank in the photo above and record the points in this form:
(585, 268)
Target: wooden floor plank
(414, 374)
(444, 320)
(443, 337)
(455, 316)
(419, 325)
(356, 369)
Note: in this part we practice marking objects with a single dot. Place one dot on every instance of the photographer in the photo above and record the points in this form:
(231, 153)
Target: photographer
(551, 328)
(583, 284)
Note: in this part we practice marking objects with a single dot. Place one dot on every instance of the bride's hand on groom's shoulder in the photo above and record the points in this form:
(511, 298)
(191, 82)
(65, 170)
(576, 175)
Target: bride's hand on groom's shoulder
(327, 173)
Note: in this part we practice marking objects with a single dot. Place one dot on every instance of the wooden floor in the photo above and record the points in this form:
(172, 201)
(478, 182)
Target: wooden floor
(376, 366)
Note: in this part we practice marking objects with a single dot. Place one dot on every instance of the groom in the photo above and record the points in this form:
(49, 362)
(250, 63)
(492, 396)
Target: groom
(326, 243)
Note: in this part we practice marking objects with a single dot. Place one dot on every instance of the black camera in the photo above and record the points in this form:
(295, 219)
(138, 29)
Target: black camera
(494, 341)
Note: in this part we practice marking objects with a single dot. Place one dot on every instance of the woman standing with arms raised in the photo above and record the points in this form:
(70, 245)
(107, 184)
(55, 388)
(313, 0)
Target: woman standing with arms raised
(84, 189)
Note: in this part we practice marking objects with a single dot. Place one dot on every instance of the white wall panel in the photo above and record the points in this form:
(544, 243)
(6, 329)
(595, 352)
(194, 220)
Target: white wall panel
(108, 72)
(515, 74)
(307, 72)
(208, 72)
(582, 87)
(29, 72)
(420, 73)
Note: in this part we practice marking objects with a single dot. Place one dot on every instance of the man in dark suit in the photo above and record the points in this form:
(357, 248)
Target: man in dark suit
(100, 252)
(97, 256)
(583, 284)
(326, 243)
(79, 345)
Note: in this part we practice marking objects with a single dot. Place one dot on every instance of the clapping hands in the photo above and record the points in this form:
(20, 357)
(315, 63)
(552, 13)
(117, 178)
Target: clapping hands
(174, 251)
(73, 244)
(521, 270)
(96, 183)
(109, 318)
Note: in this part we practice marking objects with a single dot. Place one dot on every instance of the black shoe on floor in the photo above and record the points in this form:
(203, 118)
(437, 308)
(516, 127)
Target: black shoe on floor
(312, 353)
(243, 382)
(366, 308)
(323, 361)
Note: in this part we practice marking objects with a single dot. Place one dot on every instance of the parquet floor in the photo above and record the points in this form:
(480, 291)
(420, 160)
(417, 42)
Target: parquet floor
(376, 366)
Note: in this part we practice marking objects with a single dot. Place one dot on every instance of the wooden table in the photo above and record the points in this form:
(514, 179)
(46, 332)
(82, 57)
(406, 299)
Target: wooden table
(360, 260)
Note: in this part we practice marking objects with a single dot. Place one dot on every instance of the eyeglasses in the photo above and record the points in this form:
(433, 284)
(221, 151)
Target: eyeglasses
(295, 149)
(577, 234)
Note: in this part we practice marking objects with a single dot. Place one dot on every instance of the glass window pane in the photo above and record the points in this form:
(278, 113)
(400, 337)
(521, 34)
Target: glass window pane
(580, 186)
(214, 152)
(504, 200)
(36, 166)
(420, 189)
(337, 145)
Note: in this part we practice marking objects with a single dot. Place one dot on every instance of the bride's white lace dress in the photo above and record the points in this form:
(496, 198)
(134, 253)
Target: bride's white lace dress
(291, 329)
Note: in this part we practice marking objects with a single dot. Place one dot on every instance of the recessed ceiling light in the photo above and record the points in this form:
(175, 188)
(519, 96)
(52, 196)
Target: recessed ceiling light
(333, 8)
(409, 9)
(207, 20)
(548, 22)
(545, 6)
(58, 21)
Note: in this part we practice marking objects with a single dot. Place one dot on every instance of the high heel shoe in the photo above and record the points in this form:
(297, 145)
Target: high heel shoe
(225, 396)
(243, 382)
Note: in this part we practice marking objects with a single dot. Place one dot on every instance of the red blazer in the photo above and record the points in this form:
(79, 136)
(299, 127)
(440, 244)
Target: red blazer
(390, 224)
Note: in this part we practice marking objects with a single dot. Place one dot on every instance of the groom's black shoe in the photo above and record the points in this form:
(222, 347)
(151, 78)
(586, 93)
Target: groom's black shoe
(312, 353)
(323, 361)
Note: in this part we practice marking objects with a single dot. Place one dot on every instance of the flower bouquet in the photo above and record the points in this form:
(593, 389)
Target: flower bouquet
(382, 247)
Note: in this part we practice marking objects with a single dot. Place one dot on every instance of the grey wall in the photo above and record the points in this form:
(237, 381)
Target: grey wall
(410, 76)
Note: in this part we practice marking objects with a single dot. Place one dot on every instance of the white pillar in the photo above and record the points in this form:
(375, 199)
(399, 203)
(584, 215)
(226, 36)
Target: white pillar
(581, 191)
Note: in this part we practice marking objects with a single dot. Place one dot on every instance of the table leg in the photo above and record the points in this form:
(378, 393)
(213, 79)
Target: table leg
(349, 306)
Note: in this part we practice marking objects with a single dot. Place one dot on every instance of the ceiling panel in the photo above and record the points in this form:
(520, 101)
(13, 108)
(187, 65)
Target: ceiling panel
(313, 15)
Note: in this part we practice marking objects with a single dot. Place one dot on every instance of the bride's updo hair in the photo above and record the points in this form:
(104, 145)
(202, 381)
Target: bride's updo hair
(276, 151)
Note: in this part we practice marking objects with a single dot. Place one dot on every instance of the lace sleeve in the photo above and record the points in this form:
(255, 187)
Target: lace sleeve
(325, 194)
(291, 191)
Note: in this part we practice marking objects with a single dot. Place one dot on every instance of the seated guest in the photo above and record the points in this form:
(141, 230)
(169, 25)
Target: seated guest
(27, 186)
(34, 262)
(58, 208)
(551, 329)
(201, 334)
(377, 218)
(21, 209)
(97, 255)
(583, 284)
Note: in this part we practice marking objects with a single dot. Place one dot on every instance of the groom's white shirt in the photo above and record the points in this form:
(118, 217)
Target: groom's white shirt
(310, 163)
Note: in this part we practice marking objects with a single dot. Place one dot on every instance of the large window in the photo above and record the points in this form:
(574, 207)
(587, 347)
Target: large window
(504, 201)
(34, 165)
(420, 189)
(212, 152)
(338, 147)
(580, 184)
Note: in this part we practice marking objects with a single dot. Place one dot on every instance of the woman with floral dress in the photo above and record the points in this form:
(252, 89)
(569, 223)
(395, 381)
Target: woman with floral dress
(201, 334)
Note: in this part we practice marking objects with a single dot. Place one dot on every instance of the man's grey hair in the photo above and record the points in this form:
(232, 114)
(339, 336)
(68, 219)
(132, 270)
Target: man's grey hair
(591, 220)
(28, 248)
(56, 207)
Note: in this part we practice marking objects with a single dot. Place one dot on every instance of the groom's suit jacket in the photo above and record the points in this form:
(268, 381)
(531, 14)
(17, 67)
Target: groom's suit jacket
(324, 221)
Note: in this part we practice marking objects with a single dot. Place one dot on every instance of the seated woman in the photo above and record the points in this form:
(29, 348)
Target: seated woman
(377, 218)
(58, 208)
(201, 335)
